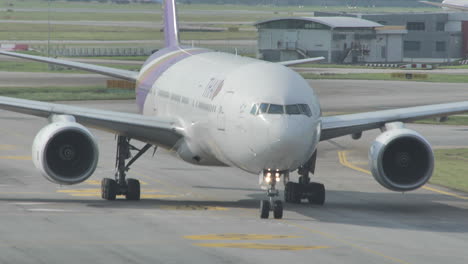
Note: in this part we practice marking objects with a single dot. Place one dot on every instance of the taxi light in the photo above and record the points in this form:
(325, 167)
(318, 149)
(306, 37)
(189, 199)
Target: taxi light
(277, 179)
(268, 179)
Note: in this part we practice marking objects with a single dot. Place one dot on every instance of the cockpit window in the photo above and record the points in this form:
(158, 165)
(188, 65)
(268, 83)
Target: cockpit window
(263, 108)
(292, 110)
(295, 109)
(276, 109)
(305, 109)
(254, 110)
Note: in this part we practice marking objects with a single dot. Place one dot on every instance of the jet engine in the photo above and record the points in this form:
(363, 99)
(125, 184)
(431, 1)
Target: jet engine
(401, 159)
(65, 152)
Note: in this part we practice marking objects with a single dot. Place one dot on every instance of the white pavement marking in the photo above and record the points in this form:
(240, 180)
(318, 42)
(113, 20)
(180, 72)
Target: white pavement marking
(49, 210)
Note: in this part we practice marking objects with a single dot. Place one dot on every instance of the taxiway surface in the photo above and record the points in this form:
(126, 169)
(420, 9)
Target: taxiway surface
(192, 214)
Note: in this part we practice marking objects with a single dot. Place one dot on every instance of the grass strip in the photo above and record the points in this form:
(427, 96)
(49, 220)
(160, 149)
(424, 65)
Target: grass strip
(38, 32)
(186, 7)
(31, 66)
(454, 67)
(458, 120)
(451, 168)
(338, 66)
(67, 93)
(445, 78)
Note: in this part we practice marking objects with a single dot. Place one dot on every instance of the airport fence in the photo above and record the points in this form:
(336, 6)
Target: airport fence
(121, 84)
(95, 51)
(58, 51)
(409, 76)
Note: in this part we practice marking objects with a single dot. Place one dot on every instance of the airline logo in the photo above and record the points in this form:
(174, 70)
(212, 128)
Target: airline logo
(213, 88)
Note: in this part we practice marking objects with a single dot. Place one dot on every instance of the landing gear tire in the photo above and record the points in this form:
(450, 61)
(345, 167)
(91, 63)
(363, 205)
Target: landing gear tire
(292, 193)
(109, 189)
(287, 192)
(304, 180)
(278, 209)
(133, 190)
(318, 193)
(264, 209)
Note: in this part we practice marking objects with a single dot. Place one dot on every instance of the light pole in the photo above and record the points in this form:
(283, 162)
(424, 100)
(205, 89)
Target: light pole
(48, 33)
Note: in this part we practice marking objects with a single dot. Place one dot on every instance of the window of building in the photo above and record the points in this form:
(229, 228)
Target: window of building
(383, 52)
(365, 36)
(440, 26)
(441, 46)
(412, 45)
(339, 36)
(416, 26)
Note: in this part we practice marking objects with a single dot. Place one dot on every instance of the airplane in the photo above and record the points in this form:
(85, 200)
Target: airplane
(450, 4)
(217, 109)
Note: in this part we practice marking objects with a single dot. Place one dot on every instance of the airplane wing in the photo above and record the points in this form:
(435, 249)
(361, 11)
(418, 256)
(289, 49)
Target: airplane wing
(303, 61)
(159, 131)
(341, 125)
(162, 132)
(117, 73)
(451, 6)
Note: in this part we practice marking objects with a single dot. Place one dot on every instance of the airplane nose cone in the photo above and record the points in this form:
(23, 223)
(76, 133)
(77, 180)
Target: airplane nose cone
(290, 140)
(286, 133)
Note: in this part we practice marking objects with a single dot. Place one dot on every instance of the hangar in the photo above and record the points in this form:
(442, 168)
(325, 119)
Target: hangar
(338, 39)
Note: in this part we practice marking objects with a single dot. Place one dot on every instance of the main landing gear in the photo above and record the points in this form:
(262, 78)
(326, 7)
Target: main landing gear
(304, 189)
(272, 178)
(121, 185)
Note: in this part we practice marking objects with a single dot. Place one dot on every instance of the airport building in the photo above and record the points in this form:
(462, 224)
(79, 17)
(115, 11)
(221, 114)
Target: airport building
(437, 37)
(362, 38)
(338, 39)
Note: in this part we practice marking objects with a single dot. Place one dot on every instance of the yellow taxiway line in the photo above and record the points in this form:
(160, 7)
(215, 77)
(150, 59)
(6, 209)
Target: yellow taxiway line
(342, 156)
(232, 236)
(259, 246)
(249, 245)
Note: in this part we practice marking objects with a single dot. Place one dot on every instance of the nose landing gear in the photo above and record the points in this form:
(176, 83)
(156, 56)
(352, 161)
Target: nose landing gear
(271, 204)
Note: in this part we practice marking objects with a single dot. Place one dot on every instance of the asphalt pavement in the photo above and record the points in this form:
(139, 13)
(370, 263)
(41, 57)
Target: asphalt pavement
(191, 214)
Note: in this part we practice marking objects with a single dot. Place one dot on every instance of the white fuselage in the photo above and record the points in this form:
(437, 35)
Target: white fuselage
(211, 94)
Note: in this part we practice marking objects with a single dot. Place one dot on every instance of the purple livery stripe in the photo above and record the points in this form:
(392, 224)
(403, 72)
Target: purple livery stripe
(171, 28)
(148, 77)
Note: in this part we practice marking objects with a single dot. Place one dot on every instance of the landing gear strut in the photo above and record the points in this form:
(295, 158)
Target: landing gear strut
(271, 204)
(304, 189)
(121, 185)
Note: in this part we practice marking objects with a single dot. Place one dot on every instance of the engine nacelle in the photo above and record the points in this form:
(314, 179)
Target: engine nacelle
(65, 152)
(401, 159)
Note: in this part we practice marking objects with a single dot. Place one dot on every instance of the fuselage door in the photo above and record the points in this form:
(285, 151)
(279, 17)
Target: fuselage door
(221, 119)
(222, 110)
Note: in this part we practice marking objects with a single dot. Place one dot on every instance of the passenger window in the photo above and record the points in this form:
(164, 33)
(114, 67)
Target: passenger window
(292, 110)
(305, 110)
(276, 109)
(254, 110)
(263, 108)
